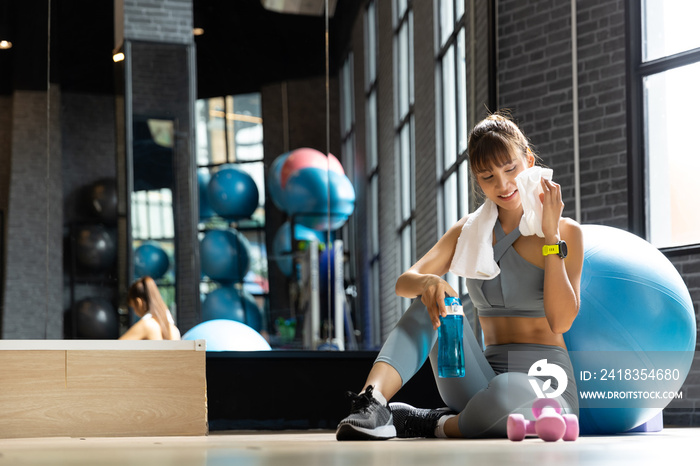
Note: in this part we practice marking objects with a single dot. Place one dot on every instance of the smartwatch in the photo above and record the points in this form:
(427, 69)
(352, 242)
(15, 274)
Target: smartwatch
(558, 249)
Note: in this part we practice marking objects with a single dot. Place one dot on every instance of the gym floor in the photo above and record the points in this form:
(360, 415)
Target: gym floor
(304, 448)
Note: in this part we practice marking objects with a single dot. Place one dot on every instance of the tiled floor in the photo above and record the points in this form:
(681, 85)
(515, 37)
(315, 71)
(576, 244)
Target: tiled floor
(671, 446)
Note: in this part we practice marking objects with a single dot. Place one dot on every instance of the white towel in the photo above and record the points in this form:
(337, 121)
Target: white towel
(530, 187)
(473, 256)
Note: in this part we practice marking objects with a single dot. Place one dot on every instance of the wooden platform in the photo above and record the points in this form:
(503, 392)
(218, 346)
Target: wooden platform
(671, 446)
(95, 388)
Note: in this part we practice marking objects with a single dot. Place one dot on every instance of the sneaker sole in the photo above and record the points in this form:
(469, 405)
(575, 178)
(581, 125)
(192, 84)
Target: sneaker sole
(350, 432)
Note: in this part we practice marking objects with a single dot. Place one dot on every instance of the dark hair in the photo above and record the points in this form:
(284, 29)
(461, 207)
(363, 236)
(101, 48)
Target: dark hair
(146, 289)
(494, 140)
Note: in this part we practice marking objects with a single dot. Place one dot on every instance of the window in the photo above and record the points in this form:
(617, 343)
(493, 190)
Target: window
(404, 132)
(665, 51)
(453, 200)
(230, 134)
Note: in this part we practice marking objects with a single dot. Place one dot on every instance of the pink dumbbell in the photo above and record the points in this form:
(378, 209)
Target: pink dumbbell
(549, 424)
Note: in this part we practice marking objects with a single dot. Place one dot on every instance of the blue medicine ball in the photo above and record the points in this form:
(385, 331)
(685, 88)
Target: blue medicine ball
(232, 304)
(307, 196)
(150, 259)
(225, 255)
(227, 335)
(232, 193)
(636, 318)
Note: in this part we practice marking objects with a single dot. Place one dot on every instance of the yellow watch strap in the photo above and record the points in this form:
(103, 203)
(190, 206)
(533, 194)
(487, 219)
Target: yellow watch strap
(548, 249)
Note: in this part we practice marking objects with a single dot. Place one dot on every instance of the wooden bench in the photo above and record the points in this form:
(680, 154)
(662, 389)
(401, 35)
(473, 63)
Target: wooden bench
(102, 388)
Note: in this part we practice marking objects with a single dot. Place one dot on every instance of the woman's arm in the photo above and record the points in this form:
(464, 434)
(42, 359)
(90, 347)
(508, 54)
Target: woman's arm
(144, 329)
(562, 277)
(138, 331)
(424, 277)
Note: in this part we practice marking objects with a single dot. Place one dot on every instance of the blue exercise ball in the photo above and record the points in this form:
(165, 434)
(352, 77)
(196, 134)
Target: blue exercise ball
(232, 193)
(282, 244)
(225, 255)
(227, 335)
(232, 304)
(150, 260)
(307, 198)
(636, 317)
(205, 210)
(96, 247)
(274, 181)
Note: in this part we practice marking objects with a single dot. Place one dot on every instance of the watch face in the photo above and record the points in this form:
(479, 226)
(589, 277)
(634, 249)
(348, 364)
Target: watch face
(563, 250)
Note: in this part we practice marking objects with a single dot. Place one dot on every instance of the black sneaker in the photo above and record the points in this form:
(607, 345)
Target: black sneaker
(368, 419)
(413, 422)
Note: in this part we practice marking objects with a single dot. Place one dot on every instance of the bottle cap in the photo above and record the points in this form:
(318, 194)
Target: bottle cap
(453, 305)
(452, 300)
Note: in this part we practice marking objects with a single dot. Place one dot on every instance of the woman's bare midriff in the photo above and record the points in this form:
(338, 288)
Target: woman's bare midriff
(505, 330)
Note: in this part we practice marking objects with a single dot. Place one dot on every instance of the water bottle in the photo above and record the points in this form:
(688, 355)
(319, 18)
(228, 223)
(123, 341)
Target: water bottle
(450, 349)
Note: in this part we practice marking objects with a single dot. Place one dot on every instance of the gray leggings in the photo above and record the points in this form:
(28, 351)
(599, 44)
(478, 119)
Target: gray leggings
(496, 383)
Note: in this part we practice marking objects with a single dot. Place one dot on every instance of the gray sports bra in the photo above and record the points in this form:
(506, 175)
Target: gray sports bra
(518, 291)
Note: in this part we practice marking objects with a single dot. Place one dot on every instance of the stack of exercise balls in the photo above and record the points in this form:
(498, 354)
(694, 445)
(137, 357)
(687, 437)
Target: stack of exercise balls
(94, 248)
(229, 313)
(95, 242)
(313, 190)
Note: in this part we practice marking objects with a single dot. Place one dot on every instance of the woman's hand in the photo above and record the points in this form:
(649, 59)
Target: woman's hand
(552, 208)
(433, 297)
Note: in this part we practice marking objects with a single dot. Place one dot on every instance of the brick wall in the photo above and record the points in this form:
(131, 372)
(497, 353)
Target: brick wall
(427, 229)
(155, 20)
(33, 289)
(602, 127)
(688, 415)
(389, 265)
(5, 149)
(5, 165)
(534, 81)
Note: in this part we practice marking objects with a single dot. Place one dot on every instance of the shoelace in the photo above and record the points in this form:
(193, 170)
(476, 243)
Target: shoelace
(360, 403)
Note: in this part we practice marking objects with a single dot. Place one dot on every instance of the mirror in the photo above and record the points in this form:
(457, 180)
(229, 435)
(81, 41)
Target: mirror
(156, 173)
(288, 105)
(264, 80)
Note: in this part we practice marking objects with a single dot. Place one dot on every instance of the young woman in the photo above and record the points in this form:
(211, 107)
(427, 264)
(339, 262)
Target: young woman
(523, 311)
(156, 322)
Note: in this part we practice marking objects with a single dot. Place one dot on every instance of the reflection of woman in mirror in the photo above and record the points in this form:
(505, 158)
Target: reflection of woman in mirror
(525, 304)
(156, 322)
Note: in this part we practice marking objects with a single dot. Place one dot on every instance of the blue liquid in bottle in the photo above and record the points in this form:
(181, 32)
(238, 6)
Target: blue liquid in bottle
(450, 349)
